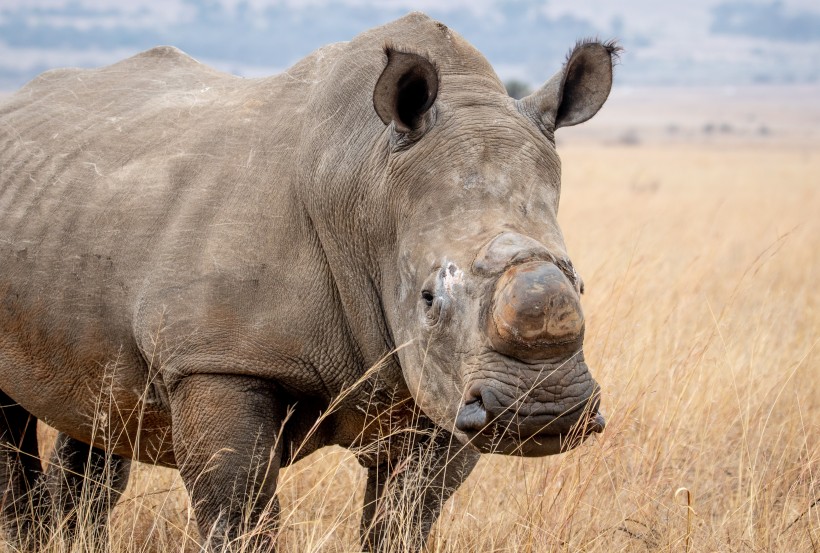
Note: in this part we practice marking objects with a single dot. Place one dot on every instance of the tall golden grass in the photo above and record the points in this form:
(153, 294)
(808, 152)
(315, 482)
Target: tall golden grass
(702, 271)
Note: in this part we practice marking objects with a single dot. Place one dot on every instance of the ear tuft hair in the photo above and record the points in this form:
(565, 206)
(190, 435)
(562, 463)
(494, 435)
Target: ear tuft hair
(611, 46)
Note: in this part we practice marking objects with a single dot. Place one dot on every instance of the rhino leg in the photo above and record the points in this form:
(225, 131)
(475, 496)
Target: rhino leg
(226, 432)
(20, 472)
(84, 484)
(404, 497)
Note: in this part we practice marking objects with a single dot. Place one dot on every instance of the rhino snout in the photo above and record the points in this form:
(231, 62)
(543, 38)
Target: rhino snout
(536, 313)
(484, 410)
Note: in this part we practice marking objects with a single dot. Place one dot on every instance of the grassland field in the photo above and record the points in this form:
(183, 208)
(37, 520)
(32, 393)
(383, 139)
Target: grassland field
(702, 268)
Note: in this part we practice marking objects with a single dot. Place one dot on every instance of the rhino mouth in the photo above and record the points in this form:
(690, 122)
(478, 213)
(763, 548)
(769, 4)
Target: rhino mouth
(503, 436)
(528, 409)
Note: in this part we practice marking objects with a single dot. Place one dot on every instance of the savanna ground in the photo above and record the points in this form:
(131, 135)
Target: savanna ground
(701, 257)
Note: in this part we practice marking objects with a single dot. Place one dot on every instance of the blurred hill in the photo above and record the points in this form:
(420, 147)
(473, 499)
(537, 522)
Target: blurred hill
(714, 116)
(698, 42)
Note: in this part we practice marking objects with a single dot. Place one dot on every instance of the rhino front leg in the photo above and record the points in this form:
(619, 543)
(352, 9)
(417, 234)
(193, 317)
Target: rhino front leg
(404, 497)
(226, 432)
(84, 483)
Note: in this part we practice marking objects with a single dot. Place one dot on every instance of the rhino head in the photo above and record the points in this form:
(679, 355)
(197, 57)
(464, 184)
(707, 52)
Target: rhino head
(484, 298)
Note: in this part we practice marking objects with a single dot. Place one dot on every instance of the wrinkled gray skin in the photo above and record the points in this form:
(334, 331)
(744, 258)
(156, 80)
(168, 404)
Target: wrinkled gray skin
(194, 266)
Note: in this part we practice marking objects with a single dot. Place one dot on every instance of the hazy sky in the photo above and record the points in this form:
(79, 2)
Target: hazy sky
(693, 42)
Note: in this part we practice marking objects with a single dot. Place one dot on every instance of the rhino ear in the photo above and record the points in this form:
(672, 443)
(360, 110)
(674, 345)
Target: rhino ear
(406, 90)
(578, 91)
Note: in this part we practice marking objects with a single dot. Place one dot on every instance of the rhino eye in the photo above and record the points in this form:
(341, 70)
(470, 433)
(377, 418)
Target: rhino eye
(428, 297)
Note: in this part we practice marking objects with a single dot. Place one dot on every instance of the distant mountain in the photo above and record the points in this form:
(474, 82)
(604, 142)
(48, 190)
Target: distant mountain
(697, 42)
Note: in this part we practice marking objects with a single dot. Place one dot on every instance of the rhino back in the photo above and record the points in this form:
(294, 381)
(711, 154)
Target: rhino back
(147, 210)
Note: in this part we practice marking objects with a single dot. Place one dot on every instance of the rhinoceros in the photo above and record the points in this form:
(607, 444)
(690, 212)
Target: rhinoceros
(223, 275)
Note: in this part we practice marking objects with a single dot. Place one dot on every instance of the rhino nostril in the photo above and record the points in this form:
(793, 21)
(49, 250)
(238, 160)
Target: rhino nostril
(472, 417)
(597, 423)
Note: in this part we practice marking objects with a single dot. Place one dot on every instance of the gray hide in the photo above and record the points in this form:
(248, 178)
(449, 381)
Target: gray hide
(209, 272)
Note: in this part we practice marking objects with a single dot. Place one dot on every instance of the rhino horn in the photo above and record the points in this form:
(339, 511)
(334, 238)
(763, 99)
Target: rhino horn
(536, 312)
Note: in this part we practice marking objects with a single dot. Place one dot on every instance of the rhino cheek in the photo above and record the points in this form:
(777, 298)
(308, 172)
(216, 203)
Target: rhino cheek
(433, 388)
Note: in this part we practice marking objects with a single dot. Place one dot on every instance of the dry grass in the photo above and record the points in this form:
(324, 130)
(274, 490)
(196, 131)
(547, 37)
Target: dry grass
(702, 269)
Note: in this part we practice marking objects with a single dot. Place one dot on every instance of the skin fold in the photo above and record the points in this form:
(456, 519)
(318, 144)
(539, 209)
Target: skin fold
(223, 275)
